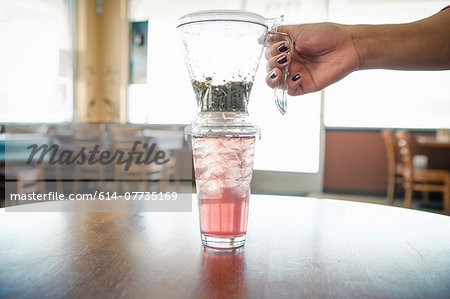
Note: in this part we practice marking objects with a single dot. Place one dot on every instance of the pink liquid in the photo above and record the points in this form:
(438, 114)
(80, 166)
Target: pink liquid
(224, 217)
(223, 172)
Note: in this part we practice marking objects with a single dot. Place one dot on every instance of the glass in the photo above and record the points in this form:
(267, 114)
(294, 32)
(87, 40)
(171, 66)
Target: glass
(222, 51)
(223, 172)
(223, 154)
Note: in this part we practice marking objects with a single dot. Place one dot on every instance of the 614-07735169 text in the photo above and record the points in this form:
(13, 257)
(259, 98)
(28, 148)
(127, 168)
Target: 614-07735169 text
(134, 195)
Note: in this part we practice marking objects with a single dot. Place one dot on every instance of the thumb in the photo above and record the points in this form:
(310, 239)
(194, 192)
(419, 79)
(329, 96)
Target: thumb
(291, 30)
(298, 33)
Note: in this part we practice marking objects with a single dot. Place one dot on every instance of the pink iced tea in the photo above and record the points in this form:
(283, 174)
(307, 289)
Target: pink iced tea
(223, 172)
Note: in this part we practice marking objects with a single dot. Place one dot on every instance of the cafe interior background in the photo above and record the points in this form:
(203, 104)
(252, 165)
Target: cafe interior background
(64, 63)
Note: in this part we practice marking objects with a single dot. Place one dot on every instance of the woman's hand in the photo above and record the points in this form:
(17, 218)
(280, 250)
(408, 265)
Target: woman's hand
(322, 54)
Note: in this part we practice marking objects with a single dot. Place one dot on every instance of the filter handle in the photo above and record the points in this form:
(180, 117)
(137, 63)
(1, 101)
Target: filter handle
(280, 92)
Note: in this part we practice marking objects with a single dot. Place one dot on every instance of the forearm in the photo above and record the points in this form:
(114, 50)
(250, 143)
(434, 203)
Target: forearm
(421, 45)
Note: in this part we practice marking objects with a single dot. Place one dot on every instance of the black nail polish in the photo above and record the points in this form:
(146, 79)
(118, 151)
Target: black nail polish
(273, 75)
(296, 77)
(282, 48)
(282, 59)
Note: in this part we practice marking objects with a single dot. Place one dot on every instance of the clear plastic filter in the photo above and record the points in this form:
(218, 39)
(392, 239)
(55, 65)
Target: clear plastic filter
(222, 51)
(222, 55)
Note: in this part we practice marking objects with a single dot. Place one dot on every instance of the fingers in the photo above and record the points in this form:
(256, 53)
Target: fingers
(274, 66)
(276, 49)
(295, 85)
(277, 58)
(280, 61)
(273, 78)
(300, 80)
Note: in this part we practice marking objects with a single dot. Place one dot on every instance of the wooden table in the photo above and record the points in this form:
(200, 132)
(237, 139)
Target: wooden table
(438, 152)
(297, 247)
(431, 141)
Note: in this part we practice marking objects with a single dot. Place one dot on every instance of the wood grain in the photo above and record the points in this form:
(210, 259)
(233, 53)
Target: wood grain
(297, 247)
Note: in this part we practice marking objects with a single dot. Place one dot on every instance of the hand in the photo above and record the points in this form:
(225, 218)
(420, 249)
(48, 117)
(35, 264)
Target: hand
(322, 54)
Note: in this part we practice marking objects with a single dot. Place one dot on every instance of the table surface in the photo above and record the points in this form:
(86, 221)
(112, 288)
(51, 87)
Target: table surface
(296, 247)
(431, 141)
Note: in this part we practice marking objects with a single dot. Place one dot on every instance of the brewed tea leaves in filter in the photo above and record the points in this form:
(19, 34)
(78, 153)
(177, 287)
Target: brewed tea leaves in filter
(231, 96)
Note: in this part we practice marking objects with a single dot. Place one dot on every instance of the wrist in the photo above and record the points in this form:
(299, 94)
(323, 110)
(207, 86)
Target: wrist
(365, 45)
(423, 44)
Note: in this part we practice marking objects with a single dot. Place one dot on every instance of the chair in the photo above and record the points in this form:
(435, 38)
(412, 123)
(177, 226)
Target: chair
(395, 169)
(417, 179)
(62, 135)
(88, 137)
(123, 138)
(27, 128)
(15, 153)
(29, 181)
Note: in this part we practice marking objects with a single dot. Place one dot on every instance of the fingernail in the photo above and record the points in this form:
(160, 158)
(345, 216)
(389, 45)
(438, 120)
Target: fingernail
(282, 48)
(273, 75)
(296, 77)
(282, 59)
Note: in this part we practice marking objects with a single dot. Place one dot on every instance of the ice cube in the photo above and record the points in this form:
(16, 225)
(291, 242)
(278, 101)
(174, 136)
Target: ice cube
(211, 189)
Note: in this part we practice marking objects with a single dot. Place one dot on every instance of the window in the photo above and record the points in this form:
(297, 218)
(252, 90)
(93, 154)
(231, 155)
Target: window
(167, 97)
(386, 98)
(36, 54)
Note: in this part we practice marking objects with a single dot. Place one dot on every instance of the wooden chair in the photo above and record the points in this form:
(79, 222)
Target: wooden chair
(421, 179)
(27, 128)
(29, 178)
(87, 137)
(395, 169)
(123, 137)
(170, 139)
(29, 181)
(62, 135)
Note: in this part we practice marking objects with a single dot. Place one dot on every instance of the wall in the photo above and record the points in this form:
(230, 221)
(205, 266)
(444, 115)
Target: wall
(356, 161)
(102, 62)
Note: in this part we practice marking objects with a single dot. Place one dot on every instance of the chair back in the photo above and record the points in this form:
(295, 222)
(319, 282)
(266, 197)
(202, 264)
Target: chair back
(124, 136)
(389, 142)
(404, 147)
(87, 136)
